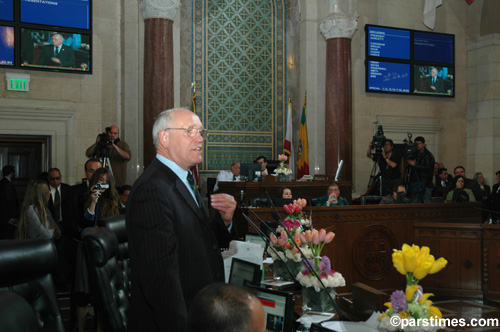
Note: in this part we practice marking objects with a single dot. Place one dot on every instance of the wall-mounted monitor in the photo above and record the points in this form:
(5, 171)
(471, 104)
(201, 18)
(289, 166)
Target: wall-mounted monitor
(404, 61)
(53, 35)
(67, 13)
(7, 44)
(6, 10)
(54, 50)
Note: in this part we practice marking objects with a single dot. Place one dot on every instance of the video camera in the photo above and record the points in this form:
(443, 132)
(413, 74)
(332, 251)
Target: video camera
(104, 143)
(378, 141)
(410, 148)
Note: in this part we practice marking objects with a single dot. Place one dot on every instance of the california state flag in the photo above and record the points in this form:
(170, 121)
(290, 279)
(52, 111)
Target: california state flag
(288, 146)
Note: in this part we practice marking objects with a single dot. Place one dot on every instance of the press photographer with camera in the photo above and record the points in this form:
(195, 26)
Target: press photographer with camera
(109, 145)
(419, 174)
(381, 151)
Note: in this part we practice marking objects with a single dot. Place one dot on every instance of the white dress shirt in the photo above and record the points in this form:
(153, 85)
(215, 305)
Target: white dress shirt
(225, 176)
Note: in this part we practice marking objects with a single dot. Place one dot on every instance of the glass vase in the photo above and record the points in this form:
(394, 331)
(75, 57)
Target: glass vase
(317, 301)
(295, 268)
(281, 272)
(283, 178)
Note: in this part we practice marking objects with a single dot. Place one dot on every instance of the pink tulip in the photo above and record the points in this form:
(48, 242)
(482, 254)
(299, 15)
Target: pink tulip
(282, 242)
(315, 240)
(309, 236)
(322, 235)
(303, 238)
(282, 157)
(274, 239)
(283, 234)
(298, 208)
(329, 237)
(297, 238)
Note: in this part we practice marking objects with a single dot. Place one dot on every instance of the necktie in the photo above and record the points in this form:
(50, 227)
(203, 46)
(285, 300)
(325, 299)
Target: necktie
(57, 206)
(234, 177)
(433, 80)
(193, 185)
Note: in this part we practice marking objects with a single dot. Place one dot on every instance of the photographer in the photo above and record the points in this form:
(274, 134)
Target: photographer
(388, 162)
(420, 172)
(109, 145)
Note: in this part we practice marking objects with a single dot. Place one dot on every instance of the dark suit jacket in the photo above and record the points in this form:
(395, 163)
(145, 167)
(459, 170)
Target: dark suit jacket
(68, 225)
(174, 250)
(439, 85)
(66, 55)
(8, 208)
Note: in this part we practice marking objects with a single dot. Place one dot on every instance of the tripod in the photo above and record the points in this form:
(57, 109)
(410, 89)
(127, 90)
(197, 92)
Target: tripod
(375, 178)
(103, 155)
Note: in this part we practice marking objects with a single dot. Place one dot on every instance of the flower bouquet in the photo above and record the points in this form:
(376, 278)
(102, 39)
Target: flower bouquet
(313, 296)
(411, 310)
(282, 171)
(295, 211)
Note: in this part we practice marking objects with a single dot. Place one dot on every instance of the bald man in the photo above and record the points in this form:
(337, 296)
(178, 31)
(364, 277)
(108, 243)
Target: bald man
(119, 154)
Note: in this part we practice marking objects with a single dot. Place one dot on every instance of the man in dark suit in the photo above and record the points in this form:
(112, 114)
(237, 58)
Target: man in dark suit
(57, 54)
(9, 208)
(80, 190)
(495, 198)
(63, 210)
(174, 245)
(434, 83)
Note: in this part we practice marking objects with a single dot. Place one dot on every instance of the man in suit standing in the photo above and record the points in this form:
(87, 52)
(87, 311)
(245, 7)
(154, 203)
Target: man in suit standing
(8, 203)
(434, 83)
(57, 54)
(62, 208)
(174, 245)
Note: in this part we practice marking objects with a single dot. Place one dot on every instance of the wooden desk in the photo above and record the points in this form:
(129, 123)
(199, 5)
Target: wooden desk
(366, 236)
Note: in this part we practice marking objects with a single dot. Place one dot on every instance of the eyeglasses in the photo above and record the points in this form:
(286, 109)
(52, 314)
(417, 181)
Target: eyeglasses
(54, 179)
(191, 131)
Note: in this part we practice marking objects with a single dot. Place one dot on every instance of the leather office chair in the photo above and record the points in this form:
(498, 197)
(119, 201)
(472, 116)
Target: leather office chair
(107, 253)
(370, 200)
(16, 314)
(26, 267)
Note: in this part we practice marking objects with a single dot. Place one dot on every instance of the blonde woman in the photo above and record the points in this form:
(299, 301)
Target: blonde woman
(35, 220)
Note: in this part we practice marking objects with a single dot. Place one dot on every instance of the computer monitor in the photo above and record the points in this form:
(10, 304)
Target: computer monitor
(250, 171)
(278, 307)
(244, 273)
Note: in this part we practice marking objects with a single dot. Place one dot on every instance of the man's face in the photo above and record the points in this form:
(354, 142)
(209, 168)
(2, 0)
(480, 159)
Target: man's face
(460, 171)
(443, 175)
(114, 133)
(57, 40)
(420, 145)
(92, 166)
(387, 147)
(185, 151)
(434, 72)
(235, 169)
(54, 179)
(401, 190)
(124, 196)
(263, 164)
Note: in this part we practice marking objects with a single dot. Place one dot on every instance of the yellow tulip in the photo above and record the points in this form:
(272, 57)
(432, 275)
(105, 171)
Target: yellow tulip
(388, 305)
(438, 265)
(423, 268)
(410, 291)
(435, 312)
(404, 314)
(399, 262)
(410, 258)
(423, 253)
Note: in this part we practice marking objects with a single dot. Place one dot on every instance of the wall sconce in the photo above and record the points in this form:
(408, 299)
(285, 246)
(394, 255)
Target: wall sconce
(291, 64)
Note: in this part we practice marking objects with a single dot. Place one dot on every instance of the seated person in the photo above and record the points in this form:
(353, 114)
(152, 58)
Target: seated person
(443, 183)
(227, 176)
(459, 193)
(226, 308)
(285, 197)
(123, 192)
(398, 196)
(332, 198)
(263, 163)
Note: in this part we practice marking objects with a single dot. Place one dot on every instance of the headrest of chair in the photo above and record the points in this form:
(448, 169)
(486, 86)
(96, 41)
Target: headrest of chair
(26, 259)
(17, 314)
(101, 245)
(117, 225)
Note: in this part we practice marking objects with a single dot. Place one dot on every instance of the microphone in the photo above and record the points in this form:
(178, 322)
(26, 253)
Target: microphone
(341, 163)
(308, 265)
(242, 195)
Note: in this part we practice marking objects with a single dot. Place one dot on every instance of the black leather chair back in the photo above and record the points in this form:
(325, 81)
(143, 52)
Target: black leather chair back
(370, 200)
(25, 269)
(16, 314)
(109, 269)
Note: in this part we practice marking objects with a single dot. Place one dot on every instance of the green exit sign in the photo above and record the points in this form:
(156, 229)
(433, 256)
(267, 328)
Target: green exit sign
(17, 82)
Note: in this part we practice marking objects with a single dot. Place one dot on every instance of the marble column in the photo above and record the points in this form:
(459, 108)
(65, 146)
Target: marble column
(338, 32)
(158, 64)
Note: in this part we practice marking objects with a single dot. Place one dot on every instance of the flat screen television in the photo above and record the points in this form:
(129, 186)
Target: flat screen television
(38, 50)
(411, 62)
(6, 10)
(46, 35)
(7, 43)
(278, 307)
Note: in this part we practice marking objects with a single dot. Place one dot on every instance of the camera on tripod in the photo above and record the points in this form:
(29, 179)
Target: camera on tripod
(410, 148)
(104, 143)
(378, 141)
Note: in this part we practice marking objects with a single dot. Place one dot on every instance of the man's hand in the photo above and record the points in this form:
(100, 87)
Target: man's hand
(411, 162)
(225, 204)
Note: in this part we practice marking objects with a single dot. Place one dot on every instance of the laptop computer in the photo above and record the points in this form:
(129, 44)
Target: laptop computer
(244, 273)
(278, 307)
